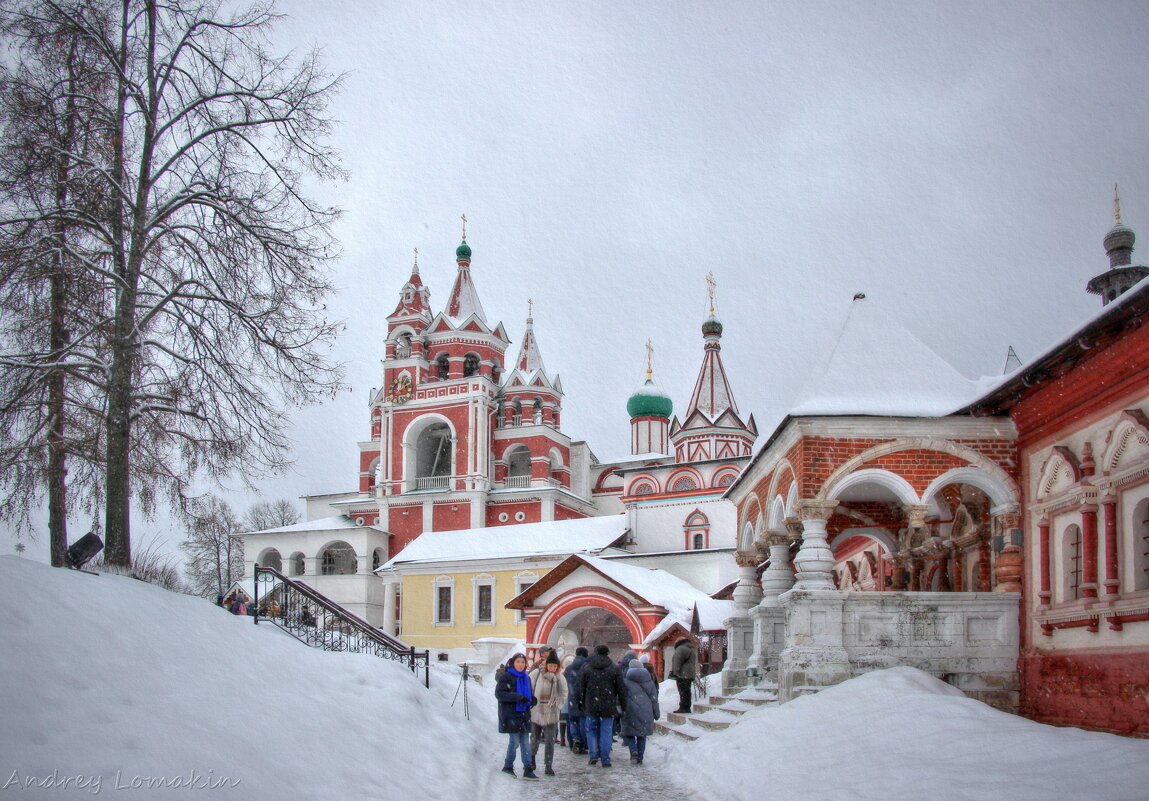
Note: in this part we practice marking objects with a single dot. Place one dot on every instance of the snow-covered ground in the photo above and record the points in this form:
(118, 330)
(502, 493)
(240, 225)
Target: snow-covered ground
(111, 687)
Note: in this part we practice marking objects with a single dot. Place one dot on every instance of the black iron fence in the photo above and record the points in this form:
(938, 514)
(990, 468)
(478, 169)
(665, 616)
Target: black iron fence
(318, 621)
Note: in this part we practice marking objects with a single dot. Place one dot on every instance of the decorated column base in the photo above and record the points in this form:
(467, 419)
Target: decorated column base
(739, 650)
(814, 656)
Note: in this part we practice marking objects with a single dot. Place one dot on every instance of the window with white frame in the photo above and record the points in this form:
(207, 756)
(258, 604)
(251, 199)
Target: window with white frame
(444, 599)
(484, 600)
(523, 582)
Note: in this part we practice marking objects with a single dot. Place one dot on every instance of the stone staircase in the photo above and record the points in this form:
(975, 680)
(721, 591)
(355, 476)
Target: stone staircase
(716, 713)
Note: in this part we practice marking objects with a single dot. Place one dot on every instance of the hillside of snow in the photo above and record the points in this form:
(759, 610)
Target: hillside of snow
(105, 676)
(903, 734)
(107, 683)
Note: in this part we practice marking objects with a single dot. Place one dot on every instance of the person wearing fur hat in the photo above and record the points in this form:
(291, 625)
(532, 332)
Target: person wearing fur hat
(513, 691)
(641, 709)
(550, 688)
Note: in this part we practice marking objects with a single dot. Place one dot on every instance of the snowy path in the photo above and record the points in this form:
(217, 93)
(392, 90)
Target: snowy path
(578, 781)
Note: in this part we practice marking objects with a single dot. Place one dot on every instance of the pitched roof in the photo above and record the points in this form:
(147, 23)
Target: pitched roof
(877, 367)
(337, 523)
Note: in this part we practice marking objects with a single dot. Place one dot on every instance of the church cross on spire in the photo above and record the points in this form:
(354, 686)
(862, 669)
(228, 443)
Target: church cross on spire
(415, 269)
(649, 360)
(530, 310)
(464, 218)
(1116, 205)
(711, 286)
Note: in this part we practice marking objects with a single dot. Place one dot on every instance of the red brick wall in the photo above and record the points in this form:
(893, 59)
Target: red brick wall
(1102, 691)
(404, 527)
(450, 516)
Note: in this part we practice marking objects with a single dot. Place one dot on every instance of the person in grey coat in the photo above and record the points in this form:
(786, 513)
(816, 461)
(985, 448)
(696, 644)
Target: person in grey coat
(684, 670)
(641, 709)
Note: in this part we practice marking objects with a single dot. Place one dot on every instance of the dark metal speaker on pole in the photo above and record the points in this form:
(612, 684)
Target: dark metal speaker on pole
(83, 550)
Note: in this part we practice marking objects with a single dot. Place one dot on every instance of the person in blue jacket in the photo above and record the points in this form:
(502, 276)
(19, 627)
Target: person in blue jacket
(513, 691)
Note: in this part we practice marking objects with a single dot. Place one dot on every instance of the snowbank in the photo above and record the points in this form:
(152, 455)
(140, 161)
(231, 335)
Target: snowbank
(903, 734)
(108, 684)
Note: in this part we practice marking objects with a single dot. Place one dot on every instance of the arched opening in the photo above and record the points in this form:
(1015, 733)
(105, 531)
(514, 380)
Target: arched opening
(594, 626)
(403, 346)
(271, 558)
(376, 559)
(443, 366)
(433, 456)
(518, 466)
(338, 559)
(537, 411)
(470, 365)
(683, 483)
(298, 564)
(496, 375)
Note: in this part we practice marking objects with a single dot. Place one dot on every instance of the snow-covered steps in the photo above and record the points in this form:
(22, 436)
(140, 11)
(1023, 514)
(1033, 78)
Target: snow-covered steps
(716, 713)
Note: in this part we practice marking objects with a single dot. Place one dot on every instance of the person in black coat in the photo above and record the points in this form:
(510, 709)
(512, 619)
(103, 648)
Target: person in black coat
(576, 727)
(602, 696)
(513, 691)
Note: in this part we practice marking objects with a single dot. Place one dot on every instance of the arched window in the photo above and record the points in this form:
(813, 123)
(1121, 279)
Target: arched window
(376, 559)
(338, 559)
(518, 466)
(643, 488)
(1140, 541)
(496, 371)
(298, 564)
(443, 364)
(518, 419)
(697, 530)
(1071, 564)
(537, 411)
(403, 346)
(470, 365)
(433, 452)
(683, 483)
(271, 558)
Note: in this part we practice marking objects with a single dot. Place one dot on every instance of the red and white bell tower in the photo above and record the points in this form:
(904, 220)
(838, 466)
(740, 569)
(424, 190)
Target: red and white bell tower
(459, 439)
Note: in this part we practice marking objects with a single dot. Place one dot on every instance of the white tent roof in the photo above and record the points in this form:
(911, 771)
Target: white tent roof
(877, 367)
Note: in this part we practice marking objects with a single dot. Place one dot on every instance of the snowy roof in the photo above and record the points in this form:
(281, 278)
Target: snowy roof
(464, 298)
(530, 357)
(247, 586)
(989, 385)
(712, 614)
(582, 535)
(337, 523)
(651, 583)
(877, 367)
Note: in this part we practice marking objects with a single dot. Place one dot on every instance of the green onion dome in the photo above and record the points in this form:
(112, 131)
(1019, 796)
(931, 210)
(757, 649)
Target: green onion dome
(711, 326)
(463, 251)
(649, 401)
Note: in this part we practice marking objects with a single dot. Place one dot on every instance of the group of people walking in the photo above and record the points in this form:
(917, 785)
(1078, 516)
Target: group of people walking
(585, 704)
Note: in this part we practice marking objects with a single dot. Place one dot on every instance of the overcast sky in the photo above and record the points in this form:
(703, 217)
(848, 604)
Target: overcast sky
(954, 161)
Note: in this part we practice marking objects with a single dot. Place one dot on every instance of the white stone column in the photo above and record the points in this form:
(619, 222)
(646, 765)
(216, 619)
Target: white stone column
(389, 589)
(748, 592)
(815, 560)
(779, 576)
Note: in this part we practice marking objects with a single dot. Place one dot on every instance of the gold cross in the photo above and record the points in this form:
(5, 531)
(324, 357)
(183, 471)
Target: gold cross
(711, 285)
(649, 359)
(1116, 205)
(464, 227)
(530, 309)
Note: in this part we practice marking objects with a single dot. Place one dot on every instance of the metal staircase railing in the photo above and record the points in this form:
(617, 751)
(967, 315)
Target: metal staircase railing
(316, 620)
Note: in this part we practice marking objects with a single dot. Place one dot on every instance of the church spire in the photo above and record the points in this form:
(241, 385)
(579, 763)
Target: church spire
(413, 297)
(464, 299)
(712, 395)
(530, 358)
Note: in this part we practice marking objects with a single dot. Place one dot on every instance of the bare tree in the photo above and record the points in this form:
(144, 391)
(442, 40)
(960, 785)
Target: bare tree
(209, 250)
(47, 397)
(271, 514)
(215, 557)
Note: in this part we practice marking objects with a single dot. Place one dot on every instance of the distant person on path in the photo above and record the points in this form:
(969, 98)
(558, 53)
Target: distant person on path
(564, 715)
(641, 709)
(576, 728)
(238, 607)
(550, 688)
(513, 691)
(684, 670)
(602, 696)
